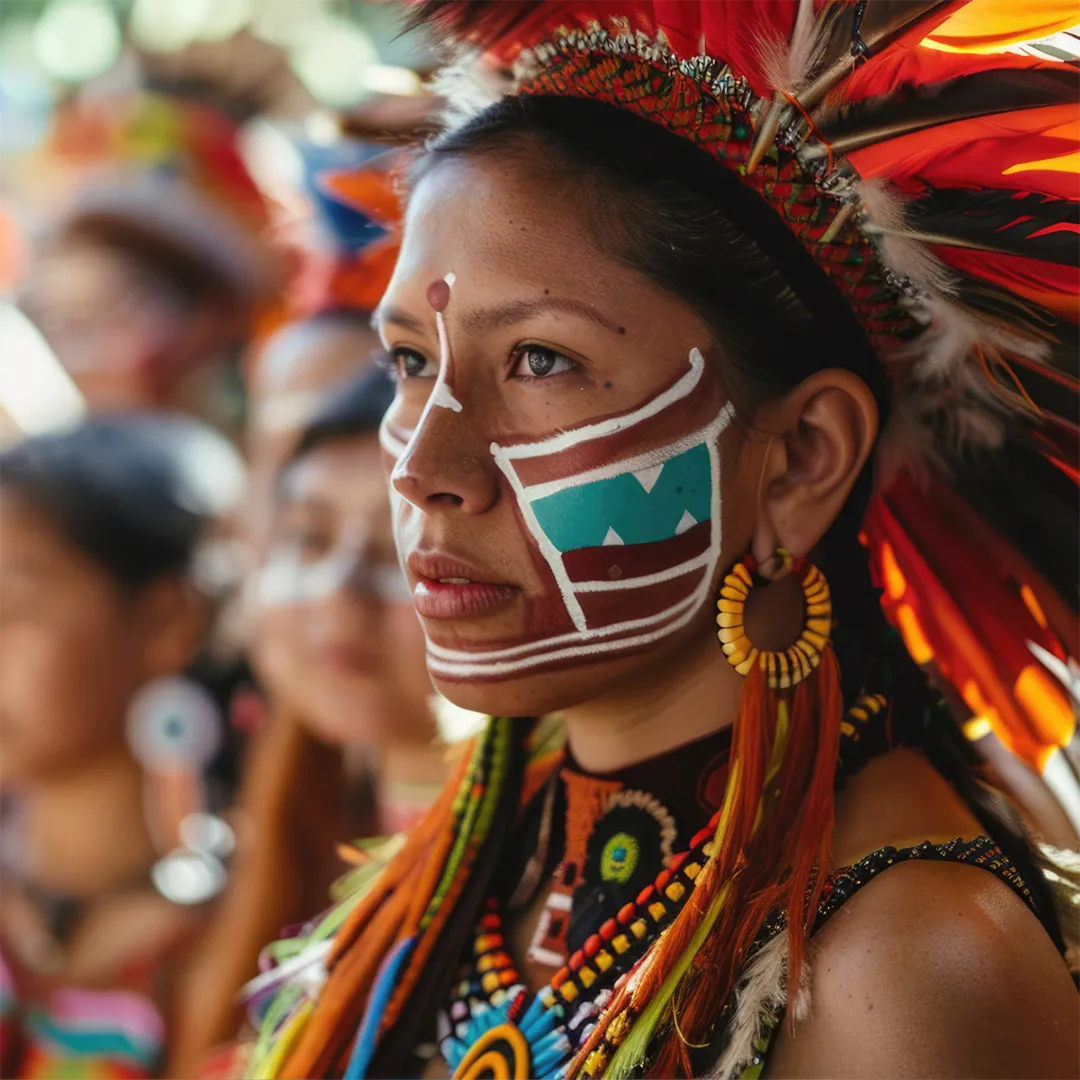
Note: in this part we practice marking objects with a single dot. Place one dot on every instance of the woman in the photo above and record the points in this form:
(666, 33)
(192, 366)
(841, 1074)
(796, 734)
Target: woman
(350, 748)
(648, 323)
(339, 640)
(103, 743)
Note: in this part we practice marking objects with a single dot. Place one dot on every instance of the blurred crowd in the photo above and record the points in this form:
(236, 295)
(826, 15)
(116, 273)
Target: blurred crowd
(211, 674)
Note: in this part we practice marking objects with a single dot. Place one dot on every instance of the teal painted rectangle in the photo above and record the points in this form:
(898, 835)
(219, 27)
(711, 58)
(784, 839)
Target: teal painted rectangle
(581, 516)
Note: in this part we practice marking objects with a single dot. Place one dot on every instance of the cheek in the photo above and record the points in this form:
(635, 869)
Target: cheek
(64, 687)
(279, 647)
(406, 635)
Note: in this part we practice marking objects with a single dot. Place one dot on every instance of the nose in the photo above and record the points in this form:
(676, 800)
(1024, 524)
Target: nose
(447, 465)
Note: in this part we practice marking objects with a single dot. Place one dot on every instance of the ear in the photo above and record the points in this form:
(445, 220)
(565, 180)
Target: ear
(822, 434)
(172, 623)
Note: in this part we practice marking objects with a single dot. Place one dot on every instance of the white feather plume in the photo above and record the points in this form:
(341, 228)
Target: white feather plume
(469, 85)
(760, 997)
(788, 65)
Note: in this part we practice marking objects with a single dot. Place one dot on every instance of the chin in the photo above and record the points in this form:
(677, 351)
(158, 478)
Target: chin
(348, 719)
(548, 690)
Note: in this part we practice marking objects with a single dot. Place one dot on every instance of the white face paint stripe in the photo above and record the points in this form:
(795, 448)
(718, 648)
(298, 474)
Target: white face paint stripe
(390, 442)
(565, 439)
(600, 634)
(645, 579)
(441, 394)
(655, 457)
(440, 667)
(285, 580)
(551, 554)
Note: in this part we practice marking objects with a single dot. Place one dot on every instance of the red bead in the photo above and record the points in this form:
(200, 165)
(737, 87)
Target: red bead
(662, 880)
(491, 922)
(645, 895)
(626, 914)
(577, 960)
(495, 941)
(678, 860)
(702, 837)
(592, 945)
(610, 928)
(560, 977)
(508, 978)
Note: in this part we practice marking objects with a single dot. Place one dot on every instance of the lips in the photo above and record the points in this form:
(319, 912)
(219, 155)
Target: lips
(447, 588)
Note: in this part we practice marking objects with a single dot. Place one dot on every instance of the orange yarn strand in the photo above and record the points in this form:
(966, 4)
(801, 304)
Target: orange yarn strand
(774, 853)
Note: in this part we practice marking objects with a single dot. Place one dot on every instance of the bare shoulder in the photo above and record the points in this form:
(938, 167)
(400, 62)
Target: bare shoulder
(934, 970)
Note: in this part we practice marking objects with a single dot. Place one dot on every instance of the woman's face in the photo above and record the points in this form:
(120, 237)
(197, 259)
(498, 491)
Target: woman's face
(70, 649)
(337, 639)
(561, 449)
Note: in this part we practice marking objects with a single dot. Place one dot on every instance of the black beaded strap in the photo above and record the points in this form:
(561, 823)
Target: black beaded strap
(982, 851)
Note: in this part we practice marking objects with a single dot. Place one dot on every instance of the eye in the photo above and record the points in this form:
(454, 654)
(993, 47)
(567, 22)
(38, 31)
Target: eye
(413, 365)
(538, 362)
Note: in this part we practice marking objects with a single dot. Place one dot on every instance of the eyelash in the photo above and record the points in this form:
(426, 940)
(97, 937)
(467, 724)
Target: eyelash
(391, 360)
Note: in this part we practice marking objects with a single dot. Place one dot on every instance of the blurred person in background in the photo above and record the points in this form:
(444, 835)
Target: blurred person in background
(350, 749)
(157, 269)
(108, 855)
(297, 370)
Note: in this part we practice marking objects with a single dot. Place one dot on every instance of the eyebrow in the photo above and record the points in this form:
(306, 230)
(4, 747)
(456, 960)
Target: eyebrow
(483, 319)
(387, 313)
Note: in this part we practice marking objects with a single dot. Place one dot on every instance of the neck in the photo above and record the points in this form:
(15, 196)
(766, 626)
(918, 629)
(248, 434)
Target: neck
(84, 829)
(410, 775)
(696, 694)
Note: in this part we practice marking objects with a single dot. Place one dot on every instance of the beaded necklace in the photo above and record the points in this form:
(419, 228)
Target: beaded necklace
(495, 1027)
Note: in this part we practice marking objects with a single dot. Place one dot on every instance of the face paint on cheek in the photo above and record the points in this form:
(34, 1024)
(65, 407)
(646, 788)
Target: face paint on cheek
(286, 582)
(631, 542)
(393, 439)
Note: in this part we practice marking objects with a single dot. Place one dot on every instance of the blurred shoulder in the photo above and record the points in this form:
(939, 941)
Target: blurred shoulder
(935, 969)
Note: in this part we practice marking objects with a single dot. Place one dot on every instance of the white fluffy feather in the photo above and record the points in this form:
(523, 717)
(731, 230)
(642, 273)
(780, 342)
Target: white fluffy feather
(468, 86)
(759, 1003)
(788, 65)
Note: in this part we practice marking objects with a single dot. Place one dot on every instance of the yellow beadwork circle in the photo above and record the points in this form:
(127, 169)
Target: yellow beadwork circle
(788, 667)
(487, 1060)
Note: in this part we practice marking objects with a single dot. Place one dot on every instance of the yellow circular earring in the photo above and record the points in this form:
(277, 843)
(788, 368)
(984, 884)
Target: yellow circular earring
(787, 667)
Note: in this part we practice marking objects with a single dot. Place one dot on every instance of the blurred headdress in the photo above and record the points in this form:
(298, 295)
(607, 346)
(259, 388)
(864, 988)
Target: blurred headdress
(161, 169)
(359, 214)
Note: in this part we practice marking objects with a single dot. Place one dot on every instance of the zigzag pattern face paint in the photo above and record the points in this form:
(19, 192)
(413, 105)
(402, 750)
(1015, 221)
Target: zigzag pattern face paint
(625, 513)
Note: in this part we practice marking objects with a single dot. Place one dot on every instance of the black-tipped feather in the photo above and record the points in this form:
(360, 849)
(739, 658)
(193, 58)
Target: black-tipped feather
(1034, 506)
(908, 109)
(1008, 221)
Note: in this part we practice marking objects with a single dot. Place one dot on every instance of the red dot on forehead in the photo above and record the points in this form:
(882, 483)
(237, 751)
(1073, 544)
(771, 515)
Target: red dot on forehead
(438, 295)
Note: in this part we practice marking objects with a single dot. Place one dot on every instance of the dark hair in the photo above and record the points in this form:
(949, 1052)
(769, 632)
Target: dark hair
(661, 206)
(356, 410)
(187, 274)
(114, 487)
